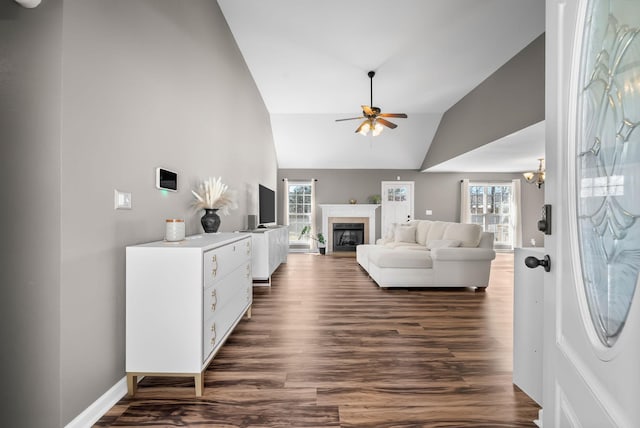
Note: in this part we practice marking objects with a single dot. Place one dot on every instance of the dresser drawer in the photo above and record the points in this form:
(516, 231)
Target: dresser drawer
(219, 262)
(216, 327)
(216, 296)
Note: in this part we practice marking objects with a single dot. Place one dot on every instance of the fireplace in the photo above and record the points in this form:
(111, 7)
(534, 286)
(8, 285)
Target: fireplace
(346, 236)
(348, 213)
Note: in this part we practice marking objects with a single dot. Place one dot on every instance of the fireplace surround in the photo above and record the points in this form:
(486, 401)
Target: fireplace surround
(349, 213)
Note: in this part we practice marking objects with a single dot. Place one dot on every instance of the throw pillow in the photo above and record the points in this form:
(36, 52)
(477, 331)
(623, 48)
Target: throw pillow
(405, 234)
(390, 232)
(442, 243)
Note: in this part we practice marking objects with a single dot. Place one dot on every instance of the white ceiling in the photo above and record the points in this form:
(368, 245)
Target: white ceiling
(310, 60)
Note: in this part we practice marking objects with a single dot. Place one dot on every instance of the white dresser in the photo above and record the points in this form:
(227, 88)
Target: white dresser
(182, 302)
(270, 249)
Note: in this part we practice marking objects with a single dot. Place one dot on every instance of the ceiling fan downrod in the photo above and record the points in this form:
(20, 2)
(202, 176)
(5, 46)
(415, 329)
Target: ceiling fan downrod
(371, 74)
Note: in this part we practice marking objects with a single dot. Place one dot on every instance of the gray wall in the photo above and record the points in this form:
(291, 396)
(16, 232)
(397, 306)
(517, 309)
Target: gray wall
(30, 62)
(509, 100)
(94, 95)
(439, 192)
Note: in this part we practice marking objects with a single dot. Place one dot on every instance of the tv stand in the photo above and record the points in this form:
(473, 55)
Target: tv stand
(270, 247)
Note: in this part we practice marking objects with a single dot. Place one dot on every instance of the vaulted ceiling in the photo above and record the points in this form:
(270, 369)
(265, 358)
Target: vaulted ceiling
(310, 60)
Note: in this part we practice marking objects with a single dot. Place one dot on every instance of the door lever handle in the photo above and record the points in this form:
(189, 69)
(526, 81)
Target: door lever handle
(532, 262)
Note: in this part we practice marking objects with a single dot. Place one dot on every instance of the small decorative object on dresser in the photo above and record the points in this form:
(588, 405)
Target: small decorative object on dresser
(213, 196)
(353, 201)
(210, 220)
(174, 230)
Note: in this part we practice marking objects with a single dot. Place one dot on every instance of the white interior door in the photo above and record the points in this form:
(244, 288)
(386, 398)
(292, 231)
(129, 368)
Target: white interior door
(591, 364)
(397, 203)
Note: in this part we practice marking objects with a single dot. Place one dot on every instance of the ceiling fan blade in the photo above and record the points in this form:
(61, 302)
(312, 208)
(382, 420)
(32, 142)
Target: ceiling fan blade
(402, 115)
(351, 118)
(362, 125)
(386, 123)
(367, 111)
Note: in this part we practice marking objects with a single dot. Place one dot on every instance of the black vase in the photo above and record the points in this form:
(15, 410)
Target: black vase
(210, 220)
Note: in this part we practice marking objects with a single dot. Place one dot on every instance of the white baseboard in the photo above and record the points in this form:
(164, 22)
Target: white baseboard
(538, 421)
(98, 408)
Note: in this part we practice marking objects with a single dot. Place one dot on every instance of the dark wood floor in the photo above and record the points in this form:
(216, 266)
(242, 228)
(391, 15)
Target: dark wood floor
(326, 347)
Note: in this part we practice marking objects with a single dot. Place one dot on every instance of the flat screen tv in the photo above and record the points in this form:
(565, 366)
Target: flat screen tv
(267, 207)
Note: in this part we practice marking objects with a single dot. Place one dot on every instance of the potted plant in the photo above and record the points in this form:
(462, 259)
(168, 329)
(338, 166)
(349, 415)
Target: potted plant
(375, 199)
(306, 231)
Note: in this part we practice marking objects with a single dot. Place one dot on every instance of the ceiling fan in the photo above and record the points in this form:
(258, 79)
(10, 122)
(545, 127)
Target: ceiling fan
(374, 118)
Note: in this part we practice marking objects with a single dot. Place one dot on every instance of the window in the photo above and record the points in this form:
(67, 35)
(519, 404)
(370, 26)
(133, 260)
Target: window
(300, 211)
(491, 207)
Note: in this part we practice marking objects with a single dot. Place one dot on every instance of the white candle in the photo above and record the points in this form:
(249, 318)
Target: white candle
(174, 229)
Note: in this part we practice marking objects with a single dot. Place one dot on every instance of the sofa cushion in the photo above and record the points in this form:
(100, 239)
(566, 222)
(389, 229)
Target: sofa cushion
(411, 245)
(436, 230)
(400, 258)
(422, 229)
(443, 243)
(468, 234)
(405, 234)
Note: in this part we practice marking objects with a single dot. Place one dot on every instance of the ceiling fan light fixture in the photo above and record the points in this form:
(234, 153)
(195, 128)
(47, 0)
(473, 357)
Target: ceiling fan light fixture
(364, 128)
(374, 118)
(377, 129)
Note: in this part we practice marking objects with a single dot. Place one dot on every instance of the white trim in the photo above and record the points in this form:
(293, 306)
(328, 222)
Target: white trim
(101, 406)
(609, 405)
(348, 210)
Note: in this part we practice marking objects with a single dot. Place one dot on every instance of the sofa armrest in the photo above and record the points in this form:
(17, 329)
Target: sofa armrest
(462, 254)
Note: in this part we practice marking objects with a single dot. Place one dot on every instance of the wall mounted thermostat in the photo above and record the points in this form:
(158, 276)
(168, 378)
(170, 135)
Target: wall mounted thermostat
(166, 180)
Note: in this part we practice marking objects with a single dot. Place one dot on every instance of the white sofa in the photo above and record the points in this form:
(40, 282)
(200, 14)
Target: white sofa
(424, 253)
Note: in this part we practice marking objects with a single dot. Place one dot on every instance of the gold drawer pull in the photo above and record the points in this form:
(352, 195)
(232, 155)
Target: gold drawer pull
(213, 331)
(215, 300)
(214, 261)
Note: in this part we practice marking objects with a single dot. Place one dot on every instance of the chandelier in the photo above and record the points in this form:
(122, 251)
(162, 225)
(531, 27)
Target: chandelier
(537, 177)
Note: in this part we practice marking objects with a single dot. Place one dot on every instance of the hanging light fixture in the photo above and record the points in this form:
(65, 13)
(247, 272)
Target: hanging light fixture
(374, 119)
(537, 177)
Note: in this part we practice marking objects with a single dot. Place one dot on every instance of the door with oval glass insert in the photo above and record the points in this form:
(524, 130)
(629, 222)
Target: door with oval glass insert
(592, 315)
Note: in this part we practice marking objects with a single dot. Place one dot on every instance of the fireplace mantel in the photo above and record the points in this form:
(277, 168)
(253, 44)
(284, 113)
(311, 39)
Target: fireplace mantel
(349, 211)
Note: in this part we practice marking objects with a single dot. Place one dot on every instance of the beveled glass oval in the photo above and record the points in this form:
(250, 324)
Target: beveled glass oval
(608, 162)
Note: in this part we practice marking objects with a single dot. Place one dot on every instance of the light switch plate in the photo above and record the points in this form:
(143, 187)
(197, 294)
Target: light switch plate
(429, 212)
(122, 200)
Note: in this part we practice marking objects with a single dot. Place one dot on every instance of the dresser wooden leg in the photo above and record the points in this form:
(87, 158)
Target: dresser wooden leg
(249, 312)
(132, 384)
(199, 380)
